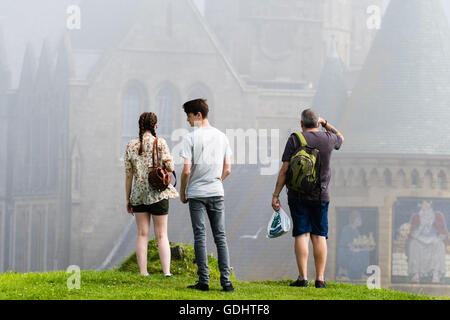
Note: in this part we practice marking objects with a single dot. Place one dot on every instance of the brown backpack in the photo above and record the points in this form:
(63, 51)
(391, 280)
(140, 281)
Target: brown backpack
(158, 177)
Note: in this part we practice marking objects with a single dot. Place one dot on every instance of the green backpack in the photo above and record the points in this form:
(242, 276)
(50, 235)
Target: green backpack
(303, 175)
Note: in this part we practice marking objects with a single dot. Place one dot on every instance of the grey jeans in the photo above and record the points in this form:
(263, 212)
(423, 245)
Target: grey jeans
(214, 208)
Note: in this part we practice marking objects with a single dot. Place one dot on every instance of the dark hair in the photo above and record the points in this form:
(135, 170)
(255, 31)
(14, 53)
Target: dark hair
(147, 122)
(195, 106)
(310, 118)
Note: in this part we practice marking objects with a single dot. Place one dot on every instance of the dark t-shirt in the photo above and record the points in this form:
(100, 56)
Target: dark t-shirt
(325, 142)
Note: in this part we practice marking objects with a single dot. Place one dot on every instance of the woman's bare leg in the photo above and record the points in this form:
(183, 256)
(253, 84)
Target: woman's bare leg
(160, 225)
(143, 225)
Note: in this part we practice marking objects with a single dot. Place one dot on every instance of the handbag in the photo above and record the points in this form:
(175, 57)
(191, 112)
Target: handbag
(158, 177)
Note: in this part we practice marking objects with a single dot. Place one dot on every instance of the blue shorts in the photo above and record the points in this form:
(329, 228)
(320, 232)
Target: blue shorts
(309, 217)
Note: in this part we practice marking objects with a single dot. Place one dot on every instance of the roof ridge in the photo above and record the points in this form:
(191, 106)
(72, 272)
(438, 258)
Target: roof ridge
(217, 45)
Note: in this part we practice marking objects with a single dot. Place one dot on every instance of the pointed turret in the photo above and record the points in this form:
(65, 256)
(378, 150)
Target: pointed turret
(28, 71)
(5, 74)
(42, 125)
(22, 121)
(400, 103)
(331, 95)
(26, 81)
(64, 64)
(45, 69)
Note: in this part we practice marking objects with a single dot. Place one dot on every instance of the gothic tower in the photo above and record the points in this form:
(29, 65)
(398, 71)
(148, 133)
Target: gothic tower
(273, 44)
(337, 27)
(284, 43)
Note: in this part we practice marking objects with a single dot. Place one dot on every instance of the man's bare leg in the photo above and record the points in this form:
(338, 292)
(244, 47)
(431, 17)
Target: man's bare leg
(320, 255)
(301, 253)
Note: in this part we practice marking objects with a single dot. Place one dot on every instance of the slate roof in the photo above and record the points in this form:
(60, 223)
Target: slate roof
(101, 31)
(401, 102)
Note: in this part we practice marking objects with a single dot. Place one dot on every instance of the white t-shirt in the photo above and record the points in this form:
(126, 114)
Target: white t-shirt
(206, 147)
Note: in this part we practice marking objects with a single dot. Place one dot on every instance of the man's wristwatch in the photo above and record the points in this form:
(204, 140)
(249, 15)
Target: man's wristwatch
(276, 195)
(325, 124)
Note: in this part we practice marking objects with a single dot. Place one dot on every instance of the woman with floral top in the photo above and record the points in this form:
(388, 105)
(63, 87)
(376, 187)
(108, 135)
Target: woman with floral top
(143, 201)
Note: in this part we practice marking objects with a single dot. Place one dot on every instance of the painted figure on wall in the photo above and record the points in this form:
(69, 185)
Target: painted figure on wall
(427, 241)
(353, 252)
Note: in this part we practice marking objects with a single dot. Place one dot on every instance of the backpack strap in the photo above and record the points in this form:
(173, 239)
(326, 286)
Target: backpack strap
(302, 139)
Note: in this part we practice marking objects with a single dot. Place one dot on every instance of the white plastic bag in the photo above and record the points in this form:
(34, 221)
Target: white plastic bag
(279, 224)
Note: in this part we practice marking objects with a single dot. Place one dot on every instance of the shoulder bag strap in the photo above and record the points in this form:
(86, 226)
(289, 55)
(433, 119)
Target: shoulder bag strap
(175, 175)
(155, 151)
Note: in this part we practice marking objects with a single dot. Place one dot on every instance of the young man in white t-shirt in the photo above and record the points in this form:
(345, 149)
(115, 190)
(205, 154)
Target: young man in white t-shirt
(207, 162)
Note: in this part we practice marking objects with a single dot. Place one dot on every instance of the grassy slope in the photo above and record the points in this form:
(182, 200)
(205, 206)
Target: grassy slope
(126, 283)
(112, 285)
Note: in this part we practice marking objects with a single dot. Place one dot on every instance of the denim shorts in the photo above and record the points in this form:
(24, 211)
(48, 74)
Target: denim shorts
(308, 216)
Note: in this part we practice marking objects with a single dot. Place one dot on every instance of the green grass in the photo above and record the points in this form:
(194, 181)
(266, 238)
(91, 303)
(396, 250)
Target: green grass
(111, 285)
(125, 283)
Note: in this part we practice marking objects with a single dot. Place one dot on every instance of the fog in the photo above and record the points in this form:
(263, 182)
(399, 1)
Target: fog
(75, 76)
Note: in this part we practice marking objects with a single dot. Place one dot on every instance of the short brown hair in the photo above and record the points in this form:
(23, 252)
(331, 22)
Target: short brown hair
(195, 106)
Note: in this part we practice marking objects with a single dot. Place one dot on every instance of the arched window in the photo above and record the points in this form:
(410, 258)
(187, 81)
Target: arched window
(361, 180)
(166, 104)
(351, 178)
(200, 92)
(415, 178)
(387, 178)
(134, 100)
(373, 178)
(442, 180)
(428, 179)
(401, 179)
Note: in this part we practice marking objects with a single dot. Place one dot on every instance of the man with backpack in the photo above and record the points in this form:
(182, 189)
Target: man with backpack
(306, 173)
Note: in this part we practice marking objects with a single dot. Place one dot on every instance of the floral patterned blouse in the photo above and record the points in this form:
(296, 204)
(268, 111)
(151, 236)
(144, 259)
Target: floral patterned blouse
(142, 192)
